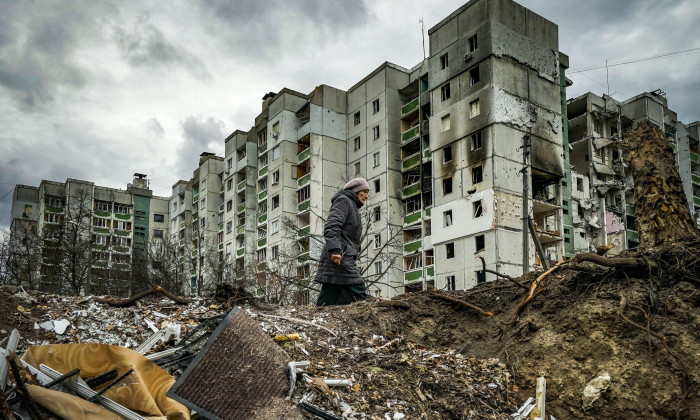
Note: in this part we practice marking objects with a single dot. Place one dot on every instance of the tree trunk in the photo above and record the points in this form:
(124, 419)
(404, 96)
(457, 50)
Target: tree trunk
(663, 214)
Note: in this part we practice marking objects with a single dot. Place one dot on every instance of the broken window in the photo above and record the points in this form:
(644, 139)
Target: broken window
(378, 268)
(274, 227)
(377, 241)
(450, 283)
(449, 250)
(356, 118)
(447, 186)
(377, 212)
(474, 76)
(473, 45)
(275, 202)
(377, 185)
(262, 255)
(303, 194)
(229, 226)
(158, 218)
(375, 106)
(474, 108)
(445, 92)
(375, 131)
(478, 209)
(229, 184)
(275, 152)
(477, 174)
(262, 138)
(241, 153)
(357, 143)
(444, 61)
(275, 252)
(375, 158)
(447, 153)
(447, 218)
(579, 184)
(480, 277)
(446, 123)
(476, 141)
(480, 243)
(276, 177)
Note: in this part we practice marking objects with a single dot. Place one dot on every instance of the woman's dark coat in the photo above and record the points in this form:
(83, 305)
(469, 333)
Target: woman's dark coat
(343, 233)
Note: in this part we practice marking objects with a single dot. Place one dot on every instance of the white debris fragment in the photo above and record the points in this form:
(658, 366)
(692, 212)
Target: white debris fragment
(48, 325)
(151, 325)
(595, 387)
(60, 326)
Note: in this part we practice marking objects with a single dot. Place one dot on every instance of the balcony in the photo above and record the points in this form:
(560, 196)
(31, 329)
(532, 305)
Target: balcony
(52, 209)
(240, 208)
(195, 198)
(221, 247)
(633, 235)
(694, 157)
(413, 275)
(120, 232)
(195, 216)
(262, 218)
(122, 216)
(262, 242)
(430, 271)
(241, 186)
(410, 134)
(409, 109)
(262, 148)
(411, 162)
(99, 247)
(696, 201)
(221, 207)
(305, 231)
(696, 179)
(412, 247)
(98, 213)
(411, 190)
(262, 195)
(302, 207)
(121, 266)
(240, 230)
(221, 227)
(412, 218)
(100, 230)
(303, 257)
(193, 272)
(121, 249)
(673, 146)
(240, 252)
(221, 188)
(630, 210)
(182, 225)
(303, 180)
(427, 154)
(262, 172)
(303, 155)
(427, 213)
(100, 264)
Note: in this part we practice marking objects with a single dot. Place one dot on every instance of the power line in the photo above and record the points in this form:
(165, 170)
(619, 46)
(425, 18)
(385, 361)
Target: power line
(636, 60)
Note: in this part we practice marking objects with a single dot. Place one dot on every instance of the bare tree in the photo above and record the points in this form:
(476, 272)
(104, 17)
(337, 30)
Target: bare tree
(76, 242)
(4, 256)
(23, 249)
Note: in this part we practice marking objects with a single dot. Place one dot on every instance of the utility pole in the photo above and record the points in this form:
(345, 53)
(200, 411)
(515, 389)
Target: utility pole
(526, 212)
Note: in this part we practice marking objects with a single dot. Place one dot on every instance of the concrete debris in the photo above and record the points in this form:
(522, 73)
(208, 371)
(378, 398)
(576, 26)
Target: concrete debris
(595, 387)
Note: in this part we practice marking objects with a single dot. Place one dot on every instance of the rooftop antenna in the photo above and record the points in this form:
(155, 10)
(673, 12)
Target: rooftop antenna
(422, 29)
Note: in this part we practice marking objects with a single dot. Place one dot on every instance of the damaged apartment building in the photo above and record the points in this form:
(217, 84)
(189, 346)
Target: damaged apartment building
(602, 201)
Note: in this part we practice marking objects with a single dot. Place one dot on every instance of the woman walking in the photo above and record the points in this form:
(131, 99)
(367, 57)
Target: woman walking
(341, 281)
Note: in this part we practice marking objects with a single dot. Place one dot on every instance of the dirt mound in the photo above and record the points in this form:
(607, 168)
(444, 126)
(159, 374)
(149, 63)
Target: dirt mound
(574, 329)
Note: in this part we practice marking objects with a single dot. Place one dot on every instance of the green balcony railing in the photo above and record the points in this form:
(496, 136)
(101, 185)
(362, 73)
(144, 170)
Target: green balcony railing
(412, 218)
(427, 154)
(409, 107)
(100, 230)
(305, 231)
(413, 275)
(262, 148)
(411, 161)
(240, 230)
(262, 242)
(430, 271)
(182, 225)
(673, 146)
(240, 208)
(262, 218)
(410, 134)
(221, 207)
(427, 212)
(193, 272)
(303, 257)
(262, 195)
(195, 215)
(412, 246)
(101, 264)
(696, 179)
(221, 247)
(221, 188)
(122, 249)
(411, 190)
(629, 209)
(303, 206)
(262, 171)
(303, 180)
(633, 235)
(221, 227)
(122, 216)
(195, 198)
(120, 232)
(694, 157)
(241, 186)
(52, 209)
(240, 252)
(102, 213)
(99, 247)
(696, 200)
(181, 260)
(302, 156)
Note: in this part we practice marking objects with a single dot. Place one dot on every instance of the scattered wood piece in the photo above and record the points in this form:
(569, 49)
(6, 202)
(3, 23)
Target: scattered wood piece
(505, 276)
(533, 291)
(603, 249)
(122, 303)
(301, 321)
(617, 262)
(26, 400)
(390, 303)
(461, 302)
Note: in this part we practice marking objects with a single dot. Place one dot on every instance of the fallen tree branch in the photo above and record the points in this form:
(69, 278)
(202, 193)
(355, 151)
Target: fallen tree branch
(622, 262)
(534, 291)
(121, 303)
(301, 321)
(461, 302)
(389, 303)
(505, 276)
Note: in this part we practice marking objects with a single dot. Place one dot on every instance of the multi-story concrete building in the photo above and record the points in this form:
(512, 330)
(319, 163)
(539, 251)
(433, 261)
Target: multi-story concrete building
(88, 233)
(602, 204)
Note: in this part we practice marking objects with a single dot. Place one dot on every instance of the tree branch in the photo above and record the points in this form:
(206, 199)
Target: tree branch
(486, 270)
(461, 302)
(128, 302)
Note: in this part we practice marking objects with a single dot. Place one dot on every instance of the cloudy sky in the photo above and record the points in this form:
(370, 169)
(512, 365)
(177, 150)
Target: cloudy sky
(99, 90)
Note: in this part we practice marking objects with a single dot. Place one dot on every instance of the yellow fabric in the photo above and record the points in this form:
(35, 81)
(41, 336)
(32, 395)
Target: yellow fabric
(143, 391)
(69, 407)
